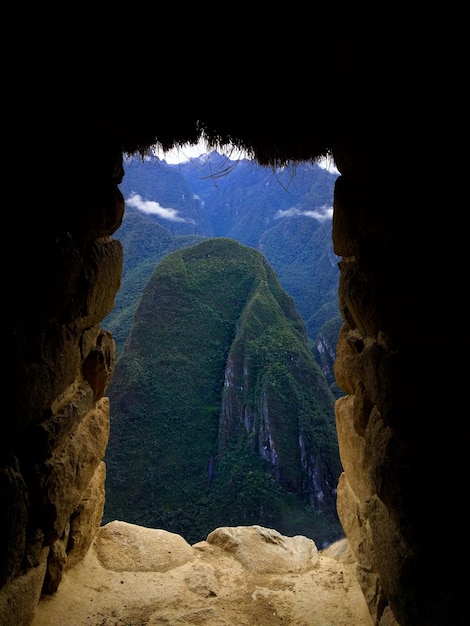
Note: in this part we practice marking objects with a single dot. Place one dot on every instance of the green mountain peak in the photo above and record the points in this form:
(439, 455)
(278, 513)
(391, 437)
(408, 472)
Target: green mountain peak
(226, 417)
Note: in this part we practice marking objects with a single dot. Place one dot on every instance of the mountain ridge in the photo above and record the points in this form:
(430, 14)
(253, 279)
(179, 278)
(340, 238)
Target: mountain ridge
(298, 244)
(235, 417)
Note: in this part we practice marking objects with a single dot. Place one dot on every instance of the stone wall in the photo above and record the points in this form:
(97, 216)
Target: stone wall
(52, 475)
(396, 500)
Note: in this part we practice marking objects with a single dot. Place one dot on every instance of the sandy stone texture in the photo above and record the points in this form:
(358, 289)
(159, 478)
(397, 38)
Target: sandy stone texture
(134, 576)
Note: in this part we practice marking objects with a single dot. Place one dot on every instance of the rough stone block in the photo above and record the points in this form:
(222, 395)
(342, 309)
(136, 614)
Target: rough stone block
(20, 597)
(67, 473)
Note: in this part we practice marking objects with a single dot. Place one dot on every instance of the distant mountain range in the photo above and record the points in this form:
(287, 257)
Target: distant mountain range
(219, 413)
(285, 213)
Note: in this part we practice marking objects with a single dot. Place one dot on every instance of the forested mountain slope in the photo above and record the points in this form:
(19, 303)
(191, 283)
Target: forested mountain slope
(145, 242)
(220, 414)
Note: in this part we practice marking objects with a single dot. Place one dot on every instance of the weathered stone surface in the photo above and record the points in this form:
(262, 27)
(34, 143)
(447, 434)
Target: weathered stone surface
(388, 551)
(89, 339)
(354, 521)
(380, 443)
(66, 413)
(13, 519)
(127, 547)
(344, 364)
(356, 299)
(68, 471)
(202, 580)
(212, 589)
(341, 551)
(56, 562)
(86, 518)
(55, 346)
(265, 550)
(19, 598)
(98, 367)
(103, 271)
(352, 448)
(76, 539)
(372, 590)
(387, 618)
(89, 273)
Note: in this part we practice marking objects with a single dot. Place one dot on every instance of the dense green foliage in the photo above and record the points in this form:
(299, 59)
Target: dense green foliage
(213, 392)
(301, 252)
(145, 242)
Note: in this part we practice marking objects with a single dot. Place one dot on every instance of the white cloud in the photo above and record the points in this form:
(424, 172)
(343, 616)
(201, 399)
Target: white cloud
(321, 214)
(150, 206)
